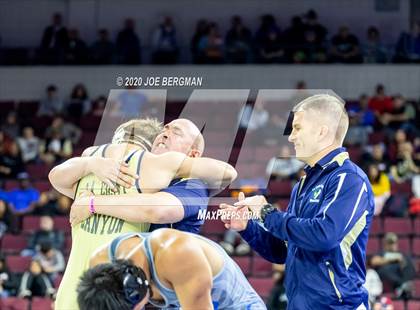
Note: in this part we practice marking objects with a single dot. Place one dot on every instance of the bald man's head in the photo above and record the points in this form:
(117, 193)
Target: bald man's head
(180, 135)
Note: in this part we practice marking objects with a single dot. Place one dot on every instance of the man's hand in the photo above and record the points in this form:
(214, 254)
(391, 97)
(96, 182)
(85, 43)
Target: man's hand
(80, 209)
(254, 203)
(235, 218)
(111, 172)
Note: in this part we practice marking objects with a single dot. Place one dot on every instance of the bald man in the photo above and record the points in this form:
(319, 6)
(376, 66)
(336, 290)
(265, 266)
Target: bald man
(179, 204)
(327, 221)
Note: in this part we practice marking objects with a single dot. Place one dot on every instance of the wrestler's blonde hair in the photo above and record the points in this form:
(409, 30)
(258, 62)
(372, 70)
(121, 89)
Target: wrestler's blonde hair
(138, 131)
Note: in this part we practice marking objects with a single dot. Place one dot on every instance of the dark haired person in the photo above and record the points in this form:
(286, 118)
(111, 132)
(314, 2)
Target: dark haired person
(169, 269)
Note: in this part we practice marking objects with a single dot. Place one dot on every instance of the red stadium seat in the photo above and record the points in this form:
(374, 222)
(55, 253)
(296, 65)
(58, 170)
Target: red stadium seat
(13, 244)
(376, 227)
(38, 171)
(213, 227)
(400, 226)
(373, 246)
(11, 185)
(30, 223)
(39, 303)
(416, 246)
(27, 109)
(244, 262)
(376, 137)
(404, 245)
(355, 154)
(417, 226)
(18, 264)
(14, 303)
(398, 305)
(417, 288)
(401, 188)
(280, 188)
(266, 152)
(413, 305)
(90, 123)
(57, 281)
(263, 286)
(62, 223)
(42, 186)
(261, 267)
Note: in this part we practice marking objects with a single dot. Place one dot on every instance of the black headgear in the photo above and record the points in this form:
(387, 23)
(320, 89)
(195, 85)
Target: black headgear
(135, 285)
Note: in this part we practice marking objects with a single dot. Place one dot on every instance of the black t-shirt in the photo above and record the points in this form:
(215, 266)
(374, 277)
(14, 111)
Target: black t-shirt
(345, 45)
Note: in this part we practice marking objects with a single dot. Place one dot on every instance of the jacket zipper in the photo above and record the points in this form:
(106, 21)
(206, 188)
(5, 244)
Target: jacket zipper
(331, 275)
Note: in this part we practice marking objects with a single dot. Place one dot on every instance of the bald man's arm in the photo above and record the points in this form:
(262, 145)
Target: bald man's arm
(216, 173)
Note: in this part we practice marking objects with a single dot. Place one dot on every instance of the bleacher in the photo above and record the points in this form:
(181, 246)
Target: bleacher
(257, 270)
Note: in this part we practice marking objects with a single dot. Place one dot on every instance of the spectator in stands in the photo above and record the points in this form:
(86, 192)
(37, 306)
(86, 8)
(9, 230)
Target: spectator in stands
(66, 129)
(401, 116)
(406, 165)
(365, 115)
(270, 132)
(5, 217)
(22, 200)
(103, 50)
(294, 35)
(164, 43)
(51, 104)
(384, 303)
(278, 299)
(35, 282)
(272, 49)
(268, 25)
(52, 203)
(311, 51)
(312, 25)
(29, 145)
(373, 283)
(374, 51)
(128, 44)
(7, 279)
(201, 30)
(11, 163)
(98, 106)
(45, 234)
(381, 187)
(233, 244)
(79, 103)
(54, 41)
(376, 155)
(357, 134)
(11, 126)
(130, 103)
(238, 42)
(56, 148)
(394, 267)
(47, 204)
(284, 166)
(211, 46)
(345, 47)
(50, 259)
(380, 103)
(76, 52)
(253, 119)
(408, 45)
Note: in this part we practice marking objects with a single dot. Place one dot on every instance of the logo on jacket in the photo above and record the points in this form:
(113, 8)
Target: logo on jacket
(316, 193)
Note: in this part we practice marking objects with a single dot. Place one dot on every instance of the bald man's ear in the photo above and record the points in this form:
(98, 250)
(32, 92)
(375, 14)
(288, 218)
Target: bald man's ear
(194, 153)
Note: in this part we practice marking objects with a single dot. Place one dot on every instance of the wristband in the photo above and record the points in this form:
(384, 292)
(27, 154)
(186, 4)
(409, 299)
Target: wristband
(92, 206)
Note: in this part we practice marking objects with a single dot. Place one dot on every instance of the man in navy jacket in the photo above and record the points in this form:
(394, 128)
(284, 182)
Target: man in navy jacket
(323, 234)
